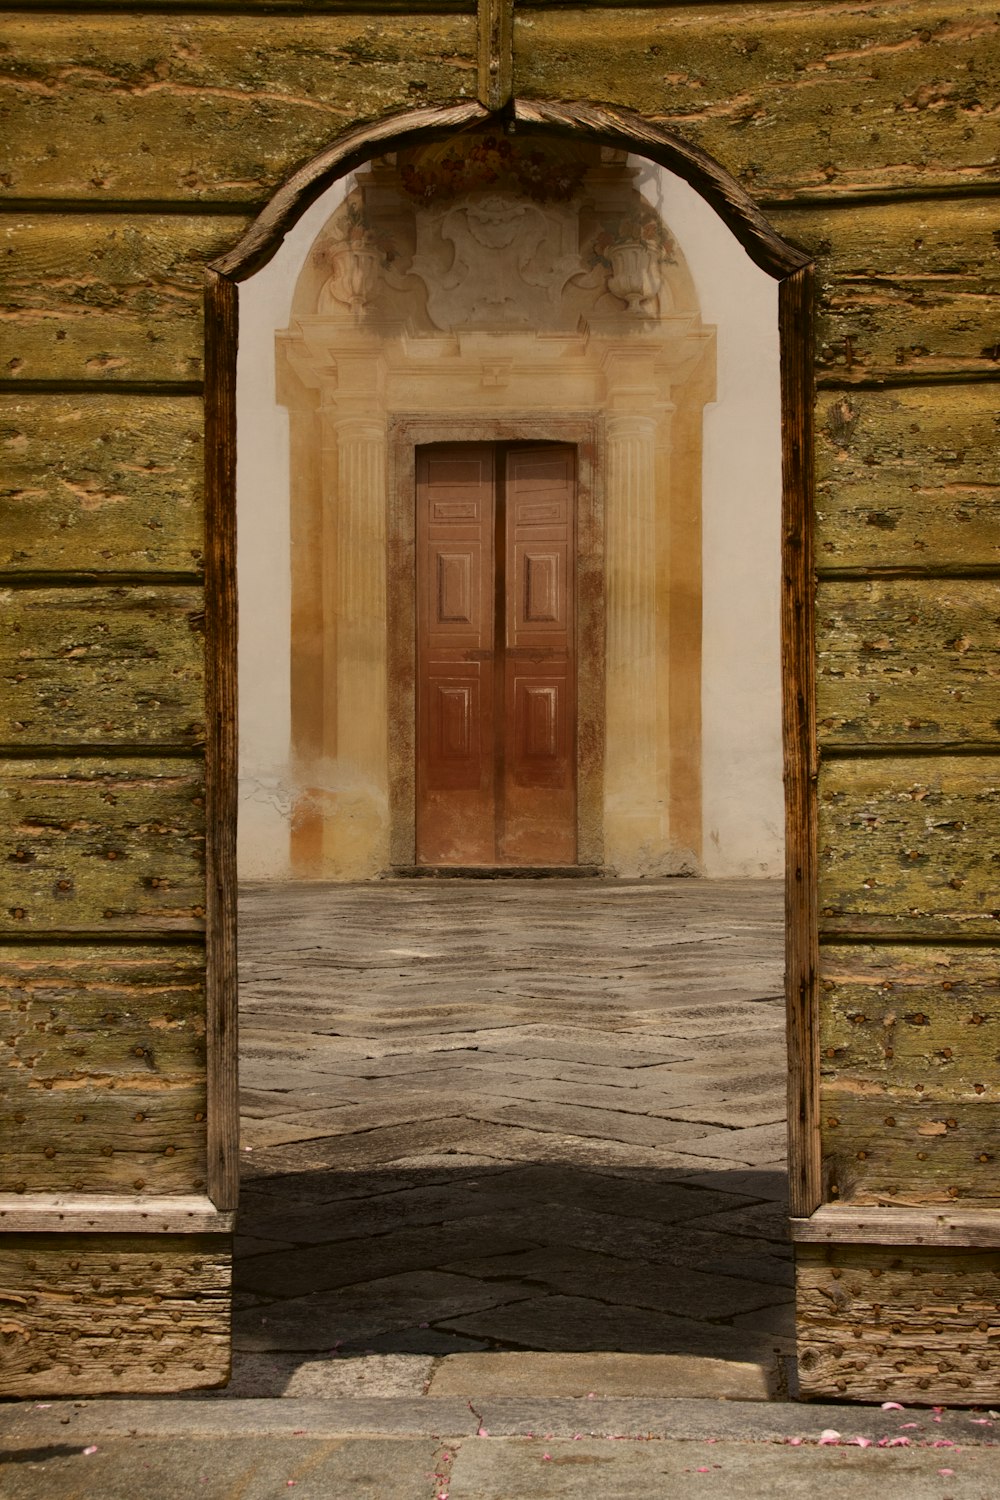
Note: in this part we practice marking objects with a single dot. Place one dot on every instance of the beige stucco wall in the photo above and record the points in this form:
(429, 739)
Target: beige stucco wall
(740, 757)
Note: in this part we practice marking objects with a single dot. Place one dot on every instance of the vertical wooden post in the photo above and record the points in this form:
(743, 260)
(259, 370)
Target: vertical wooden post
(496, 52)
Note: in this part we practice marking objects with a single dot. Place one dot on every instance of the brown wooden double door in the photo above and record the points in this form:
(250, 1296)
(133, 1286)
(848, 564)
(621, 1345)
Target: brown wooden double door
(496, 658)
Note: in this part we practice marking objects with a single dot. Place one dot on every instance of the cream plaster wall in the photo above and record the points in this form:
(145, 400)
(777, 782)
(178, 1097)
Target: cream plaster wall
(742, 798)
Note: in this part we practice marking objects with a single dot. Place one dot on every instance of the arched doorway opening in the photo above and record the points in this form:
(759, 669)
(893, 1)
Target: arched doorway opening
(364, 713)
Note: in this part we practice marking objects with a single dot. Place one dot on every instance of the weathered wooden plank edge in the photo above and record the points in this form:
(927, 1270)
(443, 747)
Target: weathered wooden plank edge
(93, 578)
(841, 1224)
(943, 937)
(303, 8)
(881, 750)
(79, 1213)
(221, 785)
(907, 380)
(15, 387)
(795, 318)
(866, 574)
(123, 750)
(84, 937)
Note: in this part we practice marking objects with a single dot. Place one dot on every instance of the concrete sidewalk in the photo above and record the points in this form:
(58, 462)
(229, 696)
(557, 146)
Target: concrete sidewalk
(443, 1449)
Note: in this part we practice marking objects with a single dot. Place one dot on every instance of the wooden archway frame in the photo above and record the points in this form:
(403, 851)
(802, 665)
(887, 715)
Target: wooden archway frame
(792, 269)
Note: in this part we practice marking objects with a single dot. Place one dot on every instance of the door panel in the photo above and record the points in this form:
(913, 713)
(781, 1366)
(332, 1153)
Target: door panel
(539, 822)
(455, 626)
(496, 688)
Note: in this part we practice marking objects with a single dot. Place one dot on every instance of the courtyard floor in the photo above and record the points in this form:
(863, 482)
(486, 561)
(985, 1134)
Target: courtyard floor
(531, 1118)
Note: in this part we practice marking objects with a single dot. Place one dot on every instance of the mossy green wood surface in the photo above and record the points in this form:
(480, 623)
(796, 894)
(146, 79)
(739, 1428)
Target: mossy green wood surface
(209, 107)
(101, 483)
(903, 290)
(109, 296)
(908, 478)
(107, 847)
(97, 1313)
(908, 661)
(102, 665)
(910, 846)
(910, 1324)
(909, 1039)
(793, 100)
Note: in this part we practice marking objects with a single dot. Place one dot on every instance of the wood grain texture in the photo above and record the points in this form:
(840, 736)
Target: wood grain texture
(793, 101)
(101, 483)
(799, 740)
(121, 666)
(913, 1325)
(209, 107)
(909, 1102)
(222, 765)
(107, 297)
(908, 661)
(908, 846)
(908, 479)
(85, 1213)
(88, 1314)
(903, 289)
(845, 1224)
(112, 847)
(104, 1088)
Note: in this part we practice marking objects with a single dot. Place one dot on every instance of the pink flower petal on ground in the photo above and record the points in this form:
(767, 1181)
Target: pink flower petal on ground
(702, 1470)
(828, 1436)
(891, 1406)
(792, 1442)
(942, 1443)
(909, 1426)
(91, 1449)
(897, 1443)
(946, 1473)
(858, 1442)
(546, 1458)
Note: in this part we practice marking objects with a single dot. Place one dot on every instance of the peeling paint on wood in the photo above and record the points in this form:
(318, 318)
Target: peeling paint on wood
(903, 289)
(109, 847)
(82, 1314)
(794, 101)
(103, 1088)
(107, 297)
(111, 666)
(909, 846)
(908, 662)
(911, 1325)
(209, 107)
(101, 483)
(910, 1109)
(908, 478)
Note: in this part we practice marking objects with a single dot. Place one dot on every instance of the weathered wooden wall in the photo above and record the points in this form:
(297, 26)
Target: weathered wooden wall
(138, 144)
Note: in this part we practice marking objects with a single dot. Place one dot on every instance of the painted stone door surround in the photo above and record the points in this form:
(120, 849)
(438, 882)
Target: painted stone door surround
(403, 315)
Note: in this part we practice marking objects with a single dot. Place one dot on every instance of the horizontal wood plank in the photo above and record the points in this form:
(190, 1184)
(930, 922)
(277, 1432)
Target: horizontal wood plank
(120, 666)
(910, 1324)
(112, 847)
(909, 1104)
(85, 1213)
(101, 483)
(908, 846)
(208, 106)
(794, 101)
(902, 289)
(104, 1088)
(908, 661)
(86, 1314)
(908, 478)
(842, 1223)
(109, 297)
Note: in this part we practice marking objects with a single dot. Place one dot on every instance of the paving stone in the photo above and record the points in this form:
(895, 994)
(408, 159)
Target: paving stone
(664, 1376)
(577, 1324)
(352, 1316)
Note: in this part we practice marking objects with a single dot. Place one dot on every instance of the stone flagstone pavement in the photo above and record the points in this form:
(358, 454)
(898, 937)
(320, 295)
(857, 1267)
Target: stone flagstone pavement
(510, 1117)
